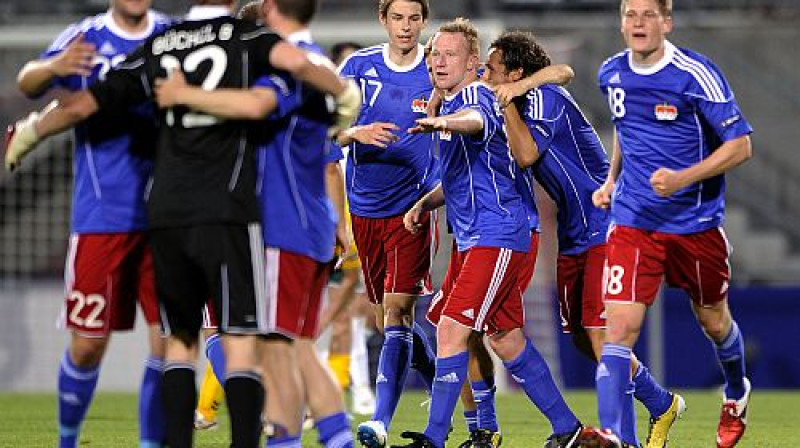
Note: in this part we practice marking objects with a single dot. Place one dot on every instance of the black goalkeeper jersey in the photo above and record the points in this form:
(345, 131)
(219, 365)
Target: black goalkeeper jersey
(205, 170)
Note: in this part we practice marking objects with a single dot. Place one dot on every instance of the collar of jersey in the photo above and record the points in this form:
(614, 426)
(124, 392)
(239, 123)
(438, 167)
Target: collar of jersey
(403, 68)
(109, 22)
(303, 35)
(207, 12)
(473, 83)
(669, 54)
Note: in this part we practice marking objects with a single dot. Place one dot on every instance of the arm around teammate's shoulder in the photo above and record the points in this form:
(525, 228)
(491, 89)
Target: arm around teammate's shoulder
(77, 58)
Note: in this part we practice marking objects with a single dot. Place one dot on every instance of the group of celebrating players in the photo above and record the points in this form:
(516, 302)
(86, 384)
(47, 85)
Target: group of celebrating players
(200, 190)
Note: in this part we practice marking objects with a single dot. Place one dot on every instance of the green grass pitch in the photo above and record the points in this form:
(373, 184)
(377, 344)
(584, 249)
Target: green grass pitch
(28, 420)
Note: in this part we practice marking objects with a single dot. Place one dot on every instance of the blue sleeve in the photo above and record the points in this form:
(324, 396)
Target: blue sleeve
(713, 97)
(287, 91)
(333, 153)
(480, 98)
(541, 115)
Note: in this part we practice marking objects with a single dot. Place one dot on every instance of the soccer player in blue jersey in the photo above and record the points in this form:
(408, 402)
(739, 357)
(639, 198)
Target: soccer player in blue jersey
(203, 210)
(491, 227)
(548, 132)
(109, 267)
(299, 225)
(678, 130)
(388, 170)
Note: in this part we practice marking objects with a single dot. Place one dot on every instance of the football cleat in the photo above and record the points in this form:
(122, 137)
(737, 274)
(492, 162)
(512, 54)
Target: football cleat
(372, 434)
(201, 424)
(565, 440)
(657, 435)
(482, 438)
(418, 440)
(597, 438)
(733, 419)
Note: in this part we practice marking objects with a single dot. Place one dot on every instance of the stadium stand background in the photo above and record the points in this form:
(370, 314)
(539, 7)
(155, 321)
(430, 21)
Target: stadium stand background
(753, 41)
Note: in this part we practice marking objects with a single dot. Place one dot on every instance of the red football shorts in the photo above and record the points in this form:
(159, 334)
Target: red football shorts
(579, 279)
(482, 290)
(295, 284)
(394, 260)
(638, 260)
(105, 275)
(526, 275)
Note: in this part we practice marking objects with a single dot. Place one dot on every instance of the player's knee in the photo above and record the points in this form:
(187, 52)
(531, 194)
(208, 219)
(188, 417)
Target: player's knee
(451, 338)
(507, 344)
(88, 352)
(398, 313)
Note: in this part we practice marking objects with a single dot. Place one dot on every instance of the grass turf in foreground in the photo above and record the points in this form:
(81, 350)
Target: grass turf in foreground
(28, 420)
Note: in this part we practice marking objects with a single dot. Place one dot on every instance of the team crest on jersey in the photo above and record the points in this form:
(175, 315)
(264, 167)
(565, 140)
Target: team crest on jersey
(419, 105)
(666, 112)
(445, 135)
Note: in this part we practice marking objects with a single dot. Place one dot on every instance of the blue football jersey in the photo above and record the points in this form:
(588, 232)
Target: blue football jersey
(384, 182)
(673, 114)
(484, 205)
(297, 214)
(572, 164)
(113, 152)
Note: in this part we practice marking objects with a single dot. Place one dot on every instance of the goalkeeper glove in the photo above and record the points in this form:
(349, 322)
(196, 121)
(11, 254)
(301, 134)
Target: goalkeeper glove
(348, 105)
(21, 138)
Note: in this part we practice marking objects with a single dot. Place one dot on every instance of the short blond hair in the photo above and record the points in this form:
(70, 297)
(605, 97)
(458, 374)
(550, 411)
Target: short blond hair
(467, 29)
(664, 7)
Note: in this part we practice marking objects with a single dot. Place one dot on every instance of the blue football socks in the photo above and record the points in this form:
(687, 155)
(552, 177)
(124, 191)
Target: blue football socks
(392, 372)
(76, 386)
(152, 424)
(612, 377)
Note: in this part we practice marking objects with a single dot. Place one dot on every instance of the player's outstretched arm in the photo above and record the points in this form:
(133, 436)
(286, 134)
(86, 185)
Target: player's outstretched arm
(524, 148)
(431, 201)
(76, 59)
(56, 117)
(666, 182)
(379, 134)
(466, 121)
(248, 104)
(560, 74)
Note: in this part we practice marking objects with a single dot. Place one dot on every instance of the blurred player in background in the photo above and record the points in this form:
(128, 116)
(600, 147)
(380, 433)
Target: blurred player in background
(678, 130)
(109, 267)
(203, 207)
(299, 229)
(492, 229)
(348, 306)
(388, 169)
(548, 132)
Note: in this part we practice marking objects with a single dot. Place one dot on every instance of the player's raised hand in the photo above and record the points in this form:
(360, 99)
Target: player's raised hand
(427, 125)
(76, 59)
(379, 134)
(412, 220)
(505, 93)
(601, 198)
(666, 182)
(168, 90)
(21, 138)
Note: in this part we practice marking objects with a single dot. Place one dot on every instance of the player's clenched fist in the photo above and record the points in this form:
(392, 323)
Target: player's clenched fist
(413, 219)
(665, 182)
(21, 138)
(601, 198)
